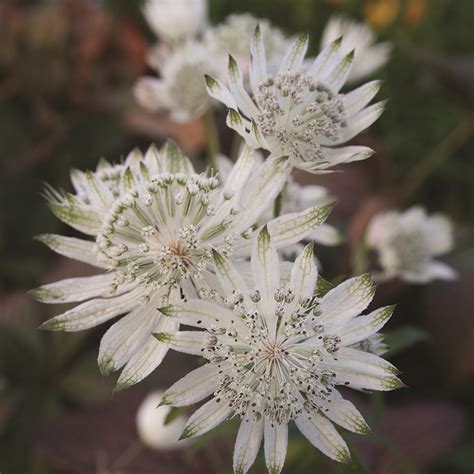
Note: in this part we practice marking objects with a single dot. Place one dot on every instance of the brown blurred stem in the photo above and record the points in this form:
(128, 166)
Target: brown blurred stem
(419, 175)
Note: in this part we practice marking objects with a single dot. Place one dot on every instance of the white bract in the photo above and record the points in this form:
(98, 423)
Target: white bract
(181, 87)
(151, 427)
(176, 20)
(156, 223)
(407, 242)
(276, 354)
(369, 56)
(294, 197)
(299, 112)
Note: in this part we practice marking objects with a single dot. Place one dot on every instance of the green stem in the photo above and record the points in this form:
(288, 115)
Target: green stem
(420, 174)
(212, 135)
(235, 148)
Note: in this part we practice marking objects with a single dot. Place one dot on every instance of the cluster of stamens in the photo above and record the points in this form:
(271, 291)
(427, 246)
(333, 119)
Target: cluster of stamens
(152, 236)
(296, 112)
(279, 371)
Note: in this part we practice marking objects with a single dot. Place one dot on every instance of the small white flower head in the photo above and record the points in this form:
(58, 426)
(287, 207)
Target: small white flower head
(155, 239)
(276, 354)
(231, 37)
(299, 111)
(407, 243)
(176, 20)
(369, 56)
(181, 88)
(151, 427)
(128, 344)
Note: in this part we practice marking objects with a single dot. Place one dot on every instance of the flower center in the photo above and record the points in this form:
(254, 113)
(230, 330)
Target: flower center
(297, 113)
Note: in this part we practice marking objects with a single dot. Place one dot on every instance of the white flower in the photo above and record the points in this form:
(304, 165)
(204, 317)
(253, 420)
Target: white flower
(407, 242)
(231, 37)
(155, 240)
(276, 354)
(176, 20)
(181, 88)
(151, 425)
(299, 112)
(369, 57)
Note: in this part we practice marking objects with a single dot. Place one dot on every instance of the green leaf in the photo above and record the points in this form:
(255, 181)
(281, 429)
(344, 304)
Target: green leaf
(403, 338)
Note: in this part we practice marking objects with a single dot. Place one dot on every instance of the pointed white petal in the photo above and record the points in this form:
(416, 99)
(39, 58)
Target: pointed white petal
(219, 92)
(237, 89)
(244, 128)
(359, 122)
(276, 445)
(228, 276)
(321, 433)
(193, 387)
(304, 274)
(210, 415)
(176, 162)
(294, 58)
(362, 370)
(188, 342)
(357, 99)
(148, 357)
(291, 228)
(79, 216)
(326, 60)
(99, 195)
(93, 312)
(125, 337)
(202, 314)
(77, 249)
(258, 62)
(362, 327)
(266, 275)
(247, 444)
(263, 187)
(348, 299)
(240, 172)
(344, 413)
(338, 76)
(75, 289)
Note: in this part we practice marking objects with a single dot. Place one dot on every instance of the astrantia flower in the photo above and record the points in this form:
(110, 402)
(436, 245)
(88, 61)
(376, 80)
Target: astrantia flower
(181, 87)
(299, 112)
(176, 20)
(156, 240)
(276, 354)
(369, 57)
(231, 37)
(406, 244)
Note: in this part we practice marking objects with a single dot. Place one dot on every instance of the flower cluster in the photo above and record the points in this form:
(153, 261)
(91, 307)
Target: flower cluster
(226, 251)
